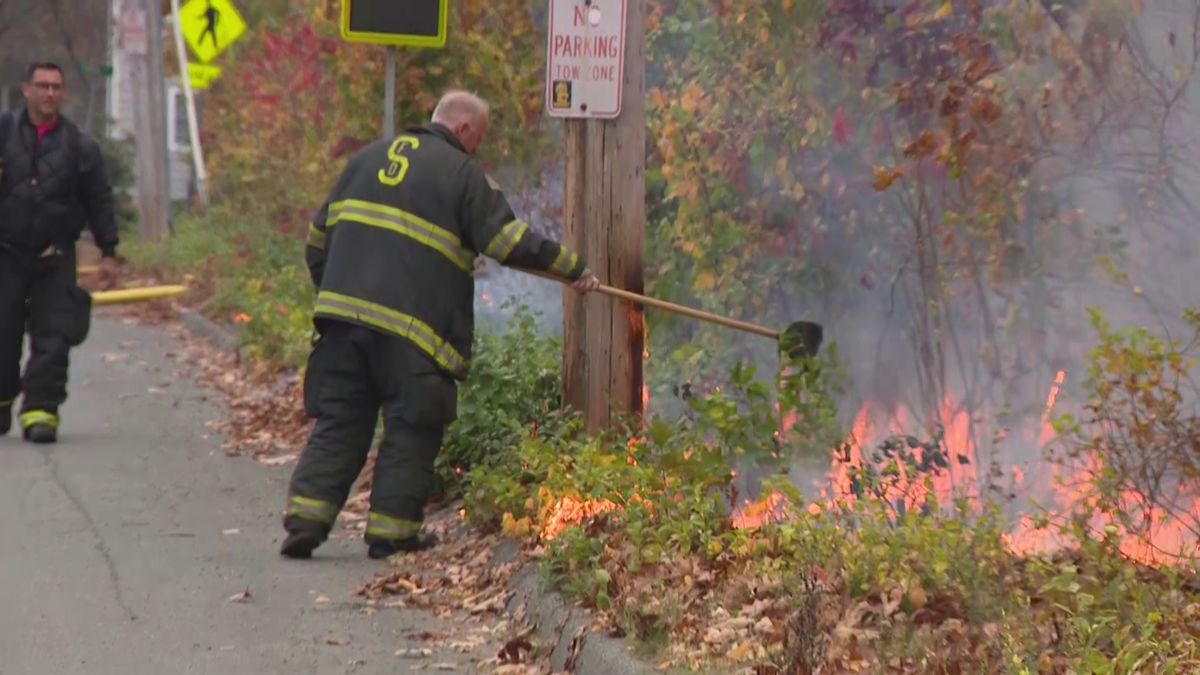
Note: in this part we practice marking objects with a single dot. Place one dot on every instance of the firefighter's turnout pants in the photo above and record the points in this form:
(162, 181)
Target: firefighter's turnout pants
(41, 293)
(353, 373)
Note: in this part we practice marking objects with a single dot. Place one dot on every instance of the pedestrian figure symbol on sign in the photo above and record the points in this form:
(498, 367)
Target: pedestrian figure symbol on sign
(562, 94)
(211, 16)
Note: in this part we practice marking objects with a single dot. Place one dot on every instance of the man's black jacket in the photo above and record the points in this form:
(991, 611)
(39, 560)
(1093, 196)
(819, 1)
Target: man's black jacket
(47, 190)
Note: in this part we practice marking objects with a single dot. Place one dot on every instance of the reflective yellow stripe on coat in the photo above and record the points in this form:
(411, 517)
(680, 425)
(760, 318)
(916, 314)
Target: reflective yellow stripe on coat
(506, 240)
(390, 320)
(316, 238)
(401, 222)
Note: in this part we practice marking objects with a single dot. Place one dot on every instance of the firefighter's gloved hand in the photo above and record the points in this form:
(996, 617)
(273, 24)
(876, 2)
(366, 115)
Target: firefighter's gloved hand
(108, 273)
(587, 282)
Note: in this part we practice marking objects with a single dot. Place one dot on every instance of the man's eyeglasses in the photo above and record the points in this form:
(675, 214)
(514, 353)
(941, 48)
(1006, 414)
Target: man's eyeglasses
(48, 86)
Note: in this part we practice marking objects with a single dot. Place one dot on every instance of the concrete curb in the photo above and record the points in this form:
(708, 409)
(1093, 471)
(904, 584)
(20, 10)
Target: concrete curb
(566, 627)
(552, 618)
(225, 338)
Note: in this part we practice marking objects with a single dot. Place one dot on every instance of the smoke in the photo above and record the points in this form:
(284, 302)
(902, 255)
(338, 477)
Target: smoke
(498, 287)
(1128, 189)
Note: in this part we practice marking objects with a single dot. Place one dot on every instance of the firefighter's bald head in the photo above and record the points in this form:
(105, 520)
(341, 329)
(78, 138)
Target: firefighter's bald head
(466, 115)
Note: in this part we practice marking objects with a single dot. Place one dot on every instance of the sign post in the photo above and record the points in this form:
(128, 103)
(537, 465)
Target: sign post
(595, 80)
(416, 23)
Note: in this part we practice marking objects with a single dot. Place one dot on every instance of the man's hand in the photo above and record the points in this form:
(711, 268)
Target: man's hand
(587, 282)
(108, 274)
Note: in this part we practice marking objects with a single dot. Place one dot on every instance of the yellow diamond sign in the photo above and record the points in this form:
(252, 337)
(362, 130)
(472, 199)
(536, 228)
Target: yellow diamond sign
(209, 26)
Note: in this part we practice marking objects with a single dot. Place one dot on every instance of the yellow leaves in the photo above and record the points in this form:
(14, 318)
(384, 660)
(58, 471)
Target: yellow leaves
(884, 177)
(692, 97)
(811, 125)
(705, 281)
(923, 145)
(944, 11)
(517, 528)
(686, 189)
(656, 99)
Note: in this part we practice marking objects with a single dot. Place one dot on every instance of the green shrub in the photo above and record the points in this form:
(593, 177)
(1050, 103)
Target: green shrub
(513, 392)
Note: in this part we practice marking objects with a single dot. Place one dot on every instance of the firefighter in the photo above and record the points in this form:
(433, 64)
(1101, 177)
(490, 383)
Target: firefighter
(391, 254)
(52, 179)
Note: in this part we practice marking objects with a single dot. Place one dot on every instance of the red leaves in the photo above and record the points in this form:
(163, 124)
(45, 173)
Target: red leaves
(842, 131)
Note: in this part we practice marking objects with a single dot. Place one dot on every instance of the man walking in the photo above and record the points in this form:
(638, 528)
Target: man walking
(391, 253)
(52, 179)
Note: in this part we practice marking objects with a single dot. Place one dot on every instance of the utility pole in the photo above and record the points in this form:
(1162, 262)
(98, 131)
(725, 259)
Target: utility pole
(142, 40)
(604, 205)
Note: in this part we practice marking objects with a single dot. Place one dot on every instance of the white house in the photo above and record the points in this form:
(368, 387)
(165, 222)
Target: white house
(120, 103)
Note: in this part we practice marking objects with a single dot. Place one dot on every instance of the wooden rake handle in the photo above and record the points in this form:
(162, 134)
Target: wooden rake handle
(668, 306)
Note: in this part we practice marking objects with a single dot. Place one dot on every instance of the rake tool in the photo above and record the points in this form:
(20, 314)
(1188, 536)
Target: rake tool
(801, 339)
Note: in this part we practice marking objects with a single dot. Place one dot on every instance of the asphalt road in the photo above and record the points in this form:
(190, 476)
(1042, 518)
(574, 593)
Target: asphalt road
(123, 544)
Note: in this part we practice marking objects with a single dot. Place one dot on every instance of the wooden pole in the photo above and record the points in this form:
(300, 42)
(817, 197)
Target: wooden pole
(150, 113)
(604, 221)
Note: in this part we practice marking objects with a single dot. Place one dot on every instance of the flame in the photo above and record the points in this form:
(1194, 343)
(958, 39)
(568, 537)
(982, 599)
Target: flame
(569, 511)
(1160, 539)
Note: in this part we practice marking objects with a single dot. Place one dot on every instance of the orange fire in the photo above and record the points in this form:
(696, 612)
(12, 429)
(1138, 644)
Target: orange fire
(1161, 539)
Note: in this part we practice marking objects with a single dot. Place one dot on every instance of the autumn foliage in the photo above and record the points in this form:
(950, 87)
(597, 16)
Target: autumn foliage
(902, 172)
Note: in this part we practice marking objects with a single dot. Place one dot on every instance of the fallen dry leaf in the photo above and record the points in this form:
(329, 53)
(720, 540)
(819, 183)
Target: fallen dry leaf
(244, 596)
(322, 599)
(337, 640)
(512, 650)
(415, 653)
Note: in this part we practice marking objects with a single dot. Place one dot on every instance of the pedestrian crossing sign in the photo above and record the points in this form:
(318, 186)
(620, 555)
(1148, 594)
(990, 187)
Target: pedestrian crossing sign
(210, 26)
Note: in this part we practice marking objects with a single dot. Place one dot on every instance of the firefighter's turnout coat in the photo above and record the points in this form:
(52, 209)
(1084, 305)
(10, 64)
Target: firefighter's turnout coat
(394, 246)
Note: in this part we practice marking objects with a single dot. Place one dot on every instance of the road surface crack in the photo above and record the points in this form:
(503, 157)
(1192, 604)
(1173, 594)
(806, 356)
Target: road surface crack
(98, 539)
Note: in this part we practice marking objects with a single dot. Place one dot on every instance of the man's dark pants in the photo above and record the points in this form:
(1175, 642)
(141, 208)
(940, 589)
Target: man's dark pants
(353, 373)
(48, 283)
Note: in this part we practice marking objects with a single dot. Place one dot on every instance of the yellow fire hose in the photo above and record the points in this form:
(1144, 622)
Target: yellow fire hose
(129, 294)
(136, 294)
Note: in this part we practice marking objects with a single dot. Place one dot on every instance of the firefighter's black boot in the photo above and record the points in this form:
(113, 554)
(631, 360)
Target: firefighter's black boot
(5, 418)
(385, 548)
(41, 434)
(303, 538)
(40, 426)
(300, 545)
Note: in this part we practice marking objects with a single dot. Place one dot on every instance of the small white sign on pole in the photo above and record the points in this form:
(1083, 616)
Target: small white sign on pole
(585, 62)
(135, 36)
